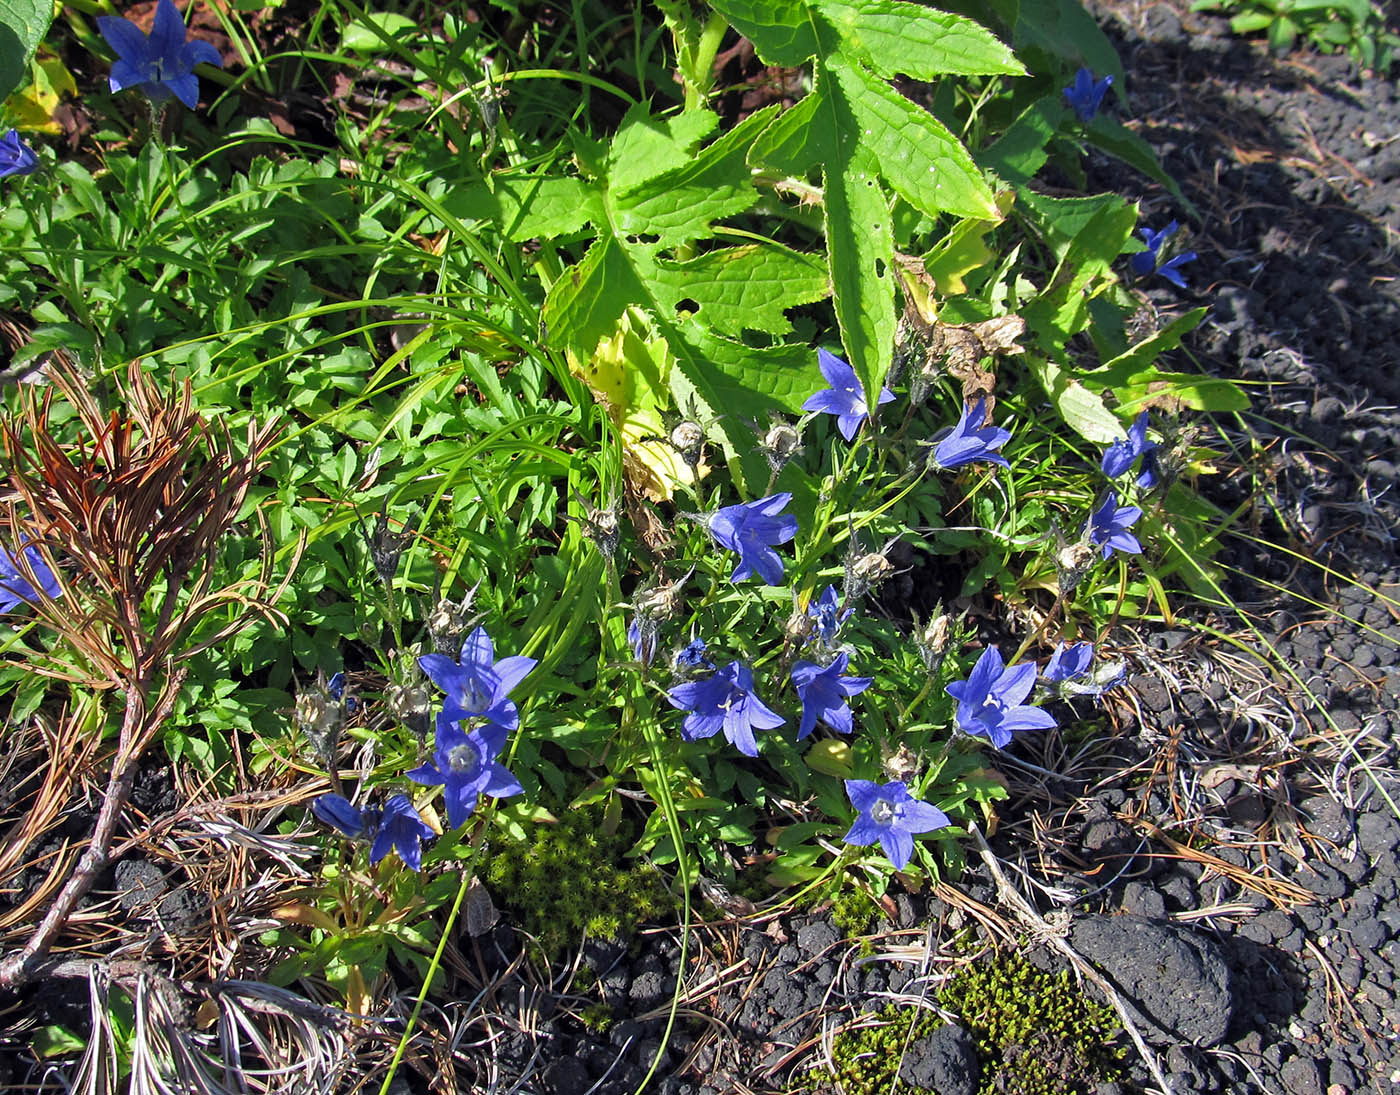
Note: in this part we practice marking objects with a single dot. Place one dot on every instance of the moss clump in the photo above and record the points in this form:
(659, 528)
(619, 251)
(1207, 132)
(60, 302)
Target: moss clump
(853, 912)
(867, 1060)
(1036, 1032)
(572, 880)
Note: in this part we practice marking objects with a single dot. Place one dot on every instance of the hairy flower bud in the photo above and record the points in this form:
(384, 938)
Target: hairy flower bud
(902, 765)
(410, 704)
(319, 717)
(385, 547)
(779, 445)
(1072, 562)
(687, 438)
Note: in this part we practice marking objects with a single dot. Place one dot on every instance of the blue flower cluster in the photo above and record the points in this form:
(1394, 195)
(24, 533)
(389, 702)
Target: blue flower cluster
(473, 726)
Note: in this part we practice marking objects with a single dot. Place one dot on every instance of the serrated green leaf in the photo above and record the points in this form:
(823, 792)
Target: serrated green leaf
(587, 301)
(895, 37)
(678, 206)
(860, 246)
(1129, 364)
(1061, 220)
(23, 24)
(921, 160)
(1021, 151)
(744, 288)
(649, 145)
(530, 206)
(792, 143)
(783, 32)
(1083, 411)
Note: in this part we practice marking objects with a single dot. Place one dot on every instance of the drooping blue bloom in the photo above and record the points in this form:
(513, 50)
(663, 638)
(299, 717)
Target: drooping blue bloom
(991, 702)
(1145, 263)
(15, 588)
(466, 765)
(1085, 96)
(401, 829)
(1068, 662)
(891, 815)
(825, 611)
(1120, 456)
(642, 634)
(751, 529)
(845, 398)
(823, 692)
(162, 63)
(16, 157)
(340, 813)
(1108, 527)
(969, 440)
(725, 701)
(396, 827)
(479, 685)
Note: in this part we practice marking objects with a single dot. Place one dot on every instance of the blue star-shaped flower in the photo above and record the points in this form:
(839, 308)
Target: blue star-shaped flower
(1108, 527)
(1145, 263)
(752, 529)
(479, 685)
(824, 610)
(891, 815)
(845, 398)
(466, 766)
(401, 829)
(16, 157)
(725, 701)
(15, 586)
(397, 826)
(969, 440)
(823, 692)
(1068, 662)
(1120, 456)
(1085, 96)
(991, 702)
(162, 63)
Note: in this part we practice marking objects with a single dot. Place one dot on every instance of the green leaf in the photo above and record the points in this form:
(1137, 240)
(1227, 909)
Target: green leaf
(367, 33)
(1083, 411)
(586, 302)
(1065, 30)
(744, 288)
(1139, 357)
(1122, 143)
(1061, 220)
(860, 246)
(1020, 152)
(649, 145)
(56, 1041)
(921, 160)
(894, 37)
(1201, 393)
(783, 32)
(794, 143)
(23, 24)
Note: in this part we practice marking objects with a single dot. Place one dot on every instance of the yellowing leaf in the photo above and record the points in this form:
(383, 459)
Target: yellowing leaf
(32, 107)
(831, 758)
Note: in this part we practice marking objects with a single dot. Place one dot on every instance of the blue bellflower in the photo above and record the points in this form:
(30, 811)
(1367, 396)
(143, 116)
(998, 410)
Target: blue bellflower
(397, 827)
(1120, 456)
(400, 829)
(16, 157)
(15, 588)
(845, 398)
(1108, 527)
(1085, 96)
(691, 657)
(968, 442)
(891, 815)
(642, 635)
(479, 685)
(991, 702)
(1068, 662)
(826, 614)
(752, 529)
(1145, 263)
(725, 701)
(466, 766)
(823, 692)
(162, 63)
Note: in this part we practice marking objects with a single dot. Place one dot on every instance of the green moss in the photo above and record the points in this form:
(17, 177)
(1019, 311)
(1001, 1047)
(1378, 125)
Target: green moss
(867, 1060)
(853, 912)
(597, 1017)
(573, 879)
(1037, 1033)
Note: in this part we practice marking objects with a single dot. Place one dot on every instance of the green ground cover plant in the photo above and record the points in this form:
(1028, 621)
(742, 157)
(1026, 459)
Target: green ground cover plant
(562, 492)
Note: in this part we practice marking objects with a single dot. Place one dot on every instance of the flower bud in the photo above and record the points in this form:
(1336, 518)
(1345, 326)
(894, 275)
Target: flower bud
(779, 445)
(902, 765)
(410, 703)
(687, 439)
(1072, 562)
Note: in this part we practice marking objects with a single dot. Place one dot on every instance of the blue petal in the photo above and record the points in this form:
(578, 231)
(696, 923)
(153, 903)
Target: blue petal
(126, 38)
(185, 88)
(863, 794)
(167, 31)
(917, 816)
(898, 846)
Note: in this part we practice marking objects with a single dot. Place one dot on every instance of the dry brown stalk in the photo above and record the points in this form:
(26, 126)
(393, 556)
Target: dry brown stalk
(128, 509)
